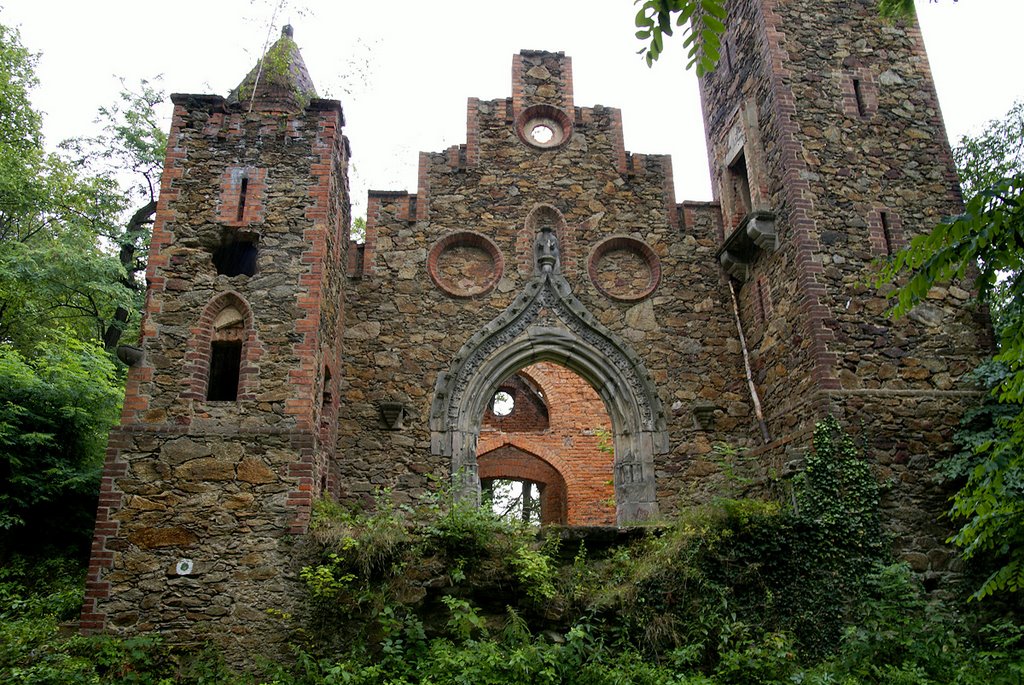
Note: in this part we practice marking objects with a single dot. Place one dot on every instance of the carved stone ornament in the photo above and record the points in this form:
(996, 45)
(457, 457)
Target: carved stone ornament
(546, 322)
(704, 415)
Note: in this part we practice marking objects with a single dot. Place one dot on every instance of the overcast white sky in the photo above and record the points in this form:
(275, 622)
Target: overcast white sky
(403, 69)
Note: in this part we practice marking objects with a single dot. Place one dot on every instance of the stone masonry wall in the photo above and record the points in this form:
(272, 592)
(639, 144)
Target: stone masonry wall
(836, 116)
(403, 329)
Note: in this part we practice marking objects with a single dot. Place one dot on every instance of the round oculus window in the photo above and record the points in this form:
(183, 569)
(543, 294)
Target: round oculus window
(543, 126)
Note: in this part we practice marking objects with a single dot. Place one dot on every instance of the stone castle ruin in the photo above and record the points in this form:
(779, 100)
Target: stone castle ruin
(282, 362)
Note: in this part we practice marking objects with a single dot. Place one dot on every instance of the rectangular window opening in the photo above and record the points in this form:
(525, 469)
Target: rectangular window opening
(236, 256)
(225, 363)
(241, 199)
(740, 185)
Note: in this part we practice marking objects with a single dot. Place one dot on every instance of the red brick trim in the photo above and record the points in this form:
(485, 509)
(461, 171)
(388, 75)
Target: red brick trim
(812, 293)
(230, 202)
(423, 188)
(555, 119)
(473, 132)
(885, 231)
(860, 92)
(619, 142)
(101, 558)
(197, 358)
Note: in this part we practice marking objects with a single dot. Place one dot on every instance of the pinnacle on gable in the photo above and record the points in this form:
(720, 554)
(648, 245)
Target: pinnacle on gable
(279, 81)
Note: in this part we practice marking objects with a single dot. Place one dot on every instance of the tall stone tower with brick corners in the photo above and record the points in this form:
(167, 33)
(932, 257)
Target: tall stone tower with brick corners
(828, 151)
(626, 333)
(228, 425)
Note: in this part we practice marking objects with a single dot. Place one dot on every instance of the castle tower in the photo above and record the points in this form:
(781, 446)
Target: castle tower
(827, 152)
(227, 430)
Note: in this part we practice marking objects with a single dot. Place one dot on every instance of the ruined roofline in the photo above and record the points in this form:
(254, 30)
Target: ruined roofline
(219, 103)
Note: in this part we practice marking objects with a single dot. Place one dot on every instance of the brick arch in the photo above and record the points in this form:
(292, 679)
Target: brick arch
(514, 462)
(530, 411)
(203, 336)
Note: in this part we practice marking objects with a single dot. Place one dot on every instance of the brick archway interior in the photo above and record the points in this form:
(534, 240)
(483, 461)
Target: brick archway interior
(557, 435)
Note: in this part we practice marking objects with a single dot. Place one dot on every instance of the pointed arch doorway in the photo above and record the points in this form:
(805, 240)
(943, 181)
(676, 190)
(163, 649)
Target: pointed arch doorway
(546, 323)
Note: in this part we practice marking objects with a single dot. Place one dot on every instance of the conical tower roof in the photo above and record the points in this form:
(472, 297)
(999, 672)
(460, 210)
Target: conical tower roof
(279, 81)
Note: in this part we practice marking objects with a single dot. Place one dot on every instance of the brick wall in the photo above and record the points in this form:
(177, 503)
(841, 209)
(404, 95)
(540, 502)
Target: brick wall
(568, 432)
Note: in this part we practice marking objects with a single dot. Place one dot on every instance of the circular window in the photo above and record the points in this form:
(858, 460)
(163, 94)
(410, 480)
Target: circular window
(465, 264)
(543, 126)
(542, 134)
(624, 268)
(502, 404)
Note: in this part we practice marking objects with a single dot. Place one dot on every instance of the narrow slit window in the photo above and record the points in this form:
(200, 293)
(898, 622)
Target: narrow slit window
(858, 95)
(242, 192)
(225, 363)
(886, 232)
(327, 398)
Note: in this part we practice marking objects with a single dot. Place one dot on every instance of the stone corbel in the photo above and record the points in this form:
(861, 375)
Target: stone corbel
(733, 265)
(755, 232)
(760, 228)
(704, 415)
(132, 356)
(393, 414)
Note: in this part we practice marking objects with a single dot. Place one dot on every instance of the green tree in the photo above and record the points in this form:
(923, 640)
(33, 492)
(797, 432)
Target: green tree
(132, 142)
(985, 243)
(703, 23)
(62, 289)
(54, 272)
(55, 410)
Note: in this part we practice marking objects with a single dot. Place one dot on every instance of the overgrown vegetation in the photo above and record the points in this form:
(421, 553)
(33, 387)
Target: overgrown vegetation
(738, 592)
(984, 244)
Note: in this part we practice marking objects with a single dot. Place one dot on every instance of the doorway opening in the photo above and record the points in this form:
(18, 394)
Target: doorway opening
(544, 453)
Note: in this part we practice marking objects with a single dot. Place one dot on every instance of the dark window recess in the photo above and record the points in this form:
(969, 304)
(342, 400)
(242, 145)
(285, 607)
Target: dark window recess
(762, 306)
(327, 398)
(235, 258)
(225, 361)
(242, 192)
(886, 232)
(742, 202)
(858, 95)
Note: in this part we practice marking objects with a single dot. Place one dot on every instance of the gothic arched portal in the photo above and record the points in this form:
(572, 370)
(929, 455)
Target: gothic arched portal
(547, 323)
